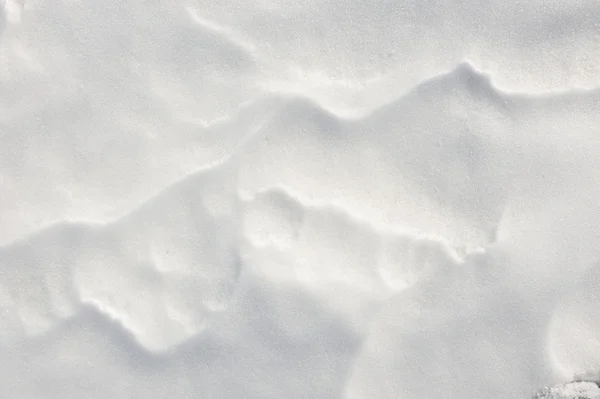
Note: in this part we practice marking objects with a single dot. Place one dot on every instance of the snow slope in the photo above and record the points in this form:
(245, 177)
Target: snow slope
(277, 199)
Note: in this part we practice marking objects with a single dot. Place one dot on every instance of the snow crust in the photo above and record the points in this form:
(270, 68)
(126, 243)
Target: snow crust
(283, 199)
(580, 390)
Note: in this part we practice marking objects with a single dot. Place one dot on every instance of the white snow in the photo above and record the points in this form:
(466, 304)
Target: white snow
(579, 389)
(283, 199)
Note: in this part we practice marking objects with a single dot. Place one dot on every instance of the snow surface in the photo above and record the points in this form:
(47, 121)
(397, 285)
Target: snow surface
(284, 199)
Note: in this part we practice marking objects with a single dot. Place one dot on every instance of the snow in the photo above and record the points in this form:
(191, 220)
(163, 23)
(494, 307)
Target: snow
(319, 199)
(579, 389)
